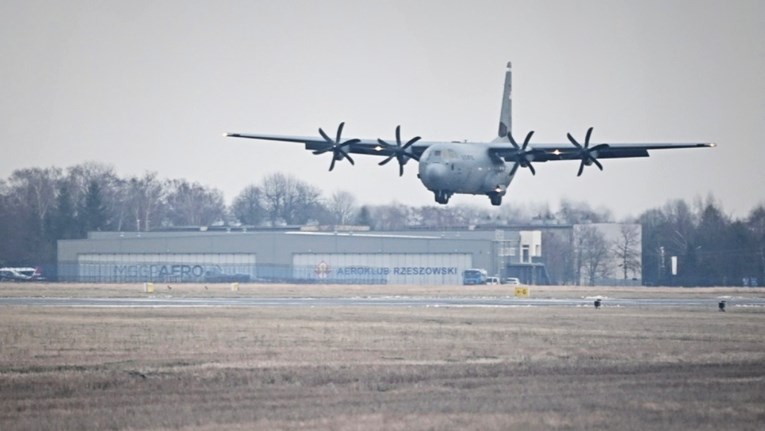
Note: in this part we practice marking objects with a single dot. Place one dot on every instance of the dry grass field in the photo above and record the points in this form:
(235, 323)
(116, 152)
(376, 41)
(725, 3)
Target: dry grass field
(378, 368)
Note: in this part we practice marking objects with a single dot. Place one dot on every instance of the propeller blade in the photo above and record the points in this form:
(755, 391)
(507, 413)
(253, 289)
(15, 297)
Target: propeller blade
(324, 135)
(587, 154)
(573, 141)
(528, 138)
(339, 132)
(514, 169)
(512, 141)
(344, 155)
(522, 155)
(411, 142)
(399, 151)
(531, 168)
(338, 153)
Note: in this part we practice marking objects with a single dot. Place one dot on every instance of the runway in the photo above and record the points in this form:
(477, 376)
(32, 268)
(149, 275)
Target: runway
(382, 301)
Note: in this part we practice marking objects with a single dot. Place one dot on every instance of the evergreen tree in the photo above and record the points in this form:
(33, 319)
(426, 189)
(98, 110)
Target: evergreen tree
(364, 218)
(93, 212)
(62, 222)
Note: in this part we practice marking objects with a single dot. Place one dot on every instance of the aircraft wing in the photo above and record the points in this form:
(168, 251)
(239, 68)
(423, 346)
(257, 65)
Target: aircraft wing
(354, 146)
(567, 151)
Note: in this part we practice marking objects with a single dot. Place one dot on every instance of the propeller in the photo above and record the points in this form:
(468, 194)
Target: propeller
(522, 156)
(585, 152)
(399, 151)
(336, 146)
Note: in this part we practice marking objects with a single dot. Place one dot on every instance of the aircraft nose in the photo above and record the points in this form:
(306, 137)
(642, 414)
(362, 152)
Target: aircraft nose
(433, 173)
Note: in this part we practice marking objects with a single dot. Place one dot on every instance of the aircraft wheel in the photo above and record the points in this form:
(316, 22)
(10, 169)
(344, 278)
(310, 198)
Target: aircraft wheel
(496, 199)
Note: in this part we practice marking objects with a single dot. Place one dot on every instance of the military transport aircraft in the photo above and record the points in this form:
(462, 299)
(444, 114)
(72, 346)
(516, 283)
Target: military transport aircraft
(477, 168)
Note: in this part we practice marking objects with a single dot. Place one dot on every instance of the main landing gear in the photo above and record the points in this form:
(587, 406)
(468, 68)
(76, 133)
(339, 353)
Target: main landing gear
(442, 196)
(495, 198)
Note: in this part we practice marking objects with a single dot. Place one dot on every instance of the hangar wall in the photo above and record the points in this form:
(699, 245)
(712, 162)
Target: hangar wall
(382, 268)
(176, 267)
(412, 258)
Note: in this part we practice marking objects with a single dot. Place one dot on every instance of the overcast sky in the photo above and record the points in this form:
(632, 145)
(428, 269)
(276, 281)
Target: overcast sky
(151, 86)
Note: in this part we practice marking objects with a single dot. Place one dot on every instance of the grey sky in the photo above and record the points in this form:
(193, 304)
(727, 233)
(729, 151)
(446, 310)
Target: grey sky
(152, 85)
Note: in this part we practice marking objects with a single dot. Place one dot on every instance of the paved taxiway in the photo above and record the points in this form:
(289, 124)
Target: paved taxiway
(383, 301)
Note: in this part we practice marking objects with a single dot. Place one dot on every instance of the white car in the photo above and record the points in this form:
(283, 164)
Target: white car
(513, 281)
(492, 280)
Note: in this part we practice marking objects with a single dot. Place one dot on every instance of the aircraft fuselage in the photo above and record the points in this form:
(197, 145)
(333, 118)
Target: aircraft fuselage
(458, 167)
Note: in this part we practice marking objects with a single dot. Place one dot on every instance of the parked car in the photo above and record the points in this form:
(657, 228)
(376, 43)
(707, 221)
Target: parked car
(513, 281)
(492, 280)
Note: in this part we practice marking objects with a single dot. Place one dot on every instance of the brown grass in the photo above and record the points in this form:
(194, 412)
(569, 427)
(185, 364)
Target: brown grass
(381, 368)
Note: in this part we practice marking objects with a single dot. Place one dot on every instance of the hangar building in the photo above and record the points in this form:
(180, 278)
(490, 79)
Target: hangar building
(302, 256)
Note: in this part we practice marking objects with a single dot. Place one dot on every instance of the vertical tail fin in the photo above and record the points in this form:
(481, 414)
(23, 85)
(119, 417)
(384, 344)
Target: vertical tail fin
(506, 113)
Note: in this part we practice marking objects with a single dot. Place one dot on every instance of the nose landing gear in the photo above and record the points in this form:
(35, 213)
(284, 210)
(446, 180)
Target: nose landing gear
(442, 196)
(495, 198)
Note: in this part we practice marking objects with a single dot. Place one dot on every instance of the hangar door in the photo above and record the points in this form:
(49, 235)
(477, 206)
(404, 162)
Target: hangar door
(162, 267)
(381, 268)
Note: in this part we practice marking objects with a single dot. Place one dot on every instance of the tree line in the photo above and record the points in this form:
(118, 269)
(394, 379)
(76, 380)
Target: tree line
(39, 206)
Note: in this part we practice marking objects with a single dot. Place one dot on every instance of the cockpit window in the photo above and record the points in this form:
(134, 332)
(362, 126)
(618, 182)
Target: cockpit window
(446, 155)
(450, 155)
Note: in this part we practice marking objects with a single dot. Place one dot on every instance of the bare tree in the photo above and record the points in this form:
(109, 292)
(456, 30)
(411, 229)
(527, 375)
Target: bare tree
(592, 251)
(627, 249)
(275, 189)
(389, 217)
(248, 206)
(34, 189)
(558, 254)
(145, 198)
(342, 207)
(82, 175)
(580, 212)
(192, 204)
(441, 217)
(30, 200)
(289, 200)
